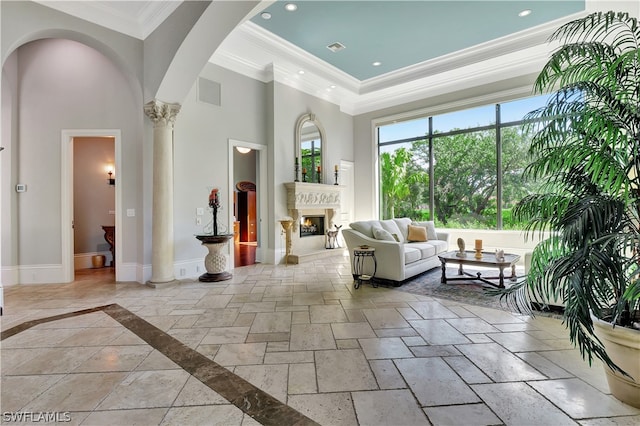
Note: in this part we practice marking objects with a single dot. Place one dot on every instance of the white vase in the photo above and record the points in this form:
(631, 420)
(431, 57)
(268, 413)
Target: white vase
(623, 347)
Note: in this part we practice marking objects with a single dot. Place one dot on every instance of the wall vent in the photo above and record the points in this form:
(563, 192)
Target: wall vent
(208, 91)
(336, 47)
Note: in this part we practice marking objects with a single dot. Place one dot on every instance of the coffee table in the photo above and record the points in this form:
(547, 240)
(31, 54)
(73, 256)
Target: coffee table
(487, 260)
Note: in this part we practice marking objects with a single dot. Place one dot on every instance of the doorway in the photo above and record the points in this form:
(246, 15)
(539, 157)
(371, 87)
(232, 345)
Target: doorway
(98, 196)
(247, 200)
(94, 209)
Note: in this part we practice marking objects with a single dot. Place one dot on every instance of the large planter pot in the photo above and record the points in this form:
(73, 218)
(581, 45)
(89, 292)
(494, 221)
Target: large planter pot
(623, 347)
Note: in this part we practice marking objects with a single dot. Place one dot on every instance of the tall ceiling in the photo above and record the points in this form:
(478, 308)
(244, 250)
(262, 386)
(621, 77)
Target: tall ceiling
(389, 45)
(384, 36)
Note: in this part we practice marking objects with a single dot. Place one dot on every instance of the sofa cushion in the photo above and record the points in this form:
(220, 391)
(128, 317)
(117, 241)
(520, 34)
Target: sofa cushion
(365, 227)
(426, 249)
(417, 233)
(391, 226)
(431, 229)
(411, 254)
(382, 234)
(439, 245)
(403, 224)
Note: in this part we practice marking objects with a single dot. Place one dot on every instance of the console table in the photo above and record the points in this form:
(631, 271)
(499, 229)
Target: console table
(110, 237)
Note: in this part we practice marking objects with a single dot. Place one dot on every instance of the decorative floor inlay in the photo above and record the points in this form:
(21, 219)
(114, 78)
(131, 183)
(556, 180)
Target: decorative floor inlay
(258, 404)
(288, 344)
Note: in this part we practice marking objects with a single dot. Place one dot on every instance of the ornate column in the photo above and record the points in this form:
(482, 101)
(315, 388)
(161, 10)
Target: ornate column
(163, 116)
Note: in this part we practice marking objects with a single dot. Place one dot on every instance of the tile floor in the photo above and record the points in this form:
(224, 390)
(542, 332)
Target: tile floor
(287, 345)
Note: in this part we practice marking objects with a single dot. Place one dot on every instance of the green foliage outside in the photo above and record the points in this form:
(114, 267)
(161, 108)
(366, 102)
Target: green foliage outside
(465, 179)
(311, 158)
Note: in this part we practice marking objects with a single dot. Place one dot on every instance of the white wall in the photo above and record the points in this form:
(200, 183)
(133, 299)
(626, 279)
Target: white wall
(67, 85)
(8, 197)
(201, 133)
(288, 105)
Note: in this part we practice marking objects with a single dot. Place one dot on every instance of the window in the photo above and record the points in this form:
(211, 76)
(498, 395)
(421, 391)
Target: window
(463, 169)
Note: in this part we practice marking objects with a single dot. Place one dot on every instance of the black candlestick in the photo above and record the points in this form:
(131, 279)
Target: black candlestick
(297, 168)
(335, 173)
(304, 177)
(215, 220)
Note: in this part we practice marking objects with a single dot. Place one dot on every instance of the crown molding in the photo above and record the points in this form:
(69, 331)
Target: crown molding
(138, 25)
(489, 71)
(154, 13)
(475, 54)
(259, 54)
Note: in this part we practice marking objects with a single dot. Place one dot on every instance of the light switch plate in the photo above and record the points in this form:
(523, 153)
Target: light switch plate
(199, 211)
(21, 187)
(131, 212)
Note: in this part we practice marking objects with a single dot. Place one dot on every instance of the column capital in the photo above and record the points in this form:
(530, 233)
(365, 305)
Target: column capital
(161, 113)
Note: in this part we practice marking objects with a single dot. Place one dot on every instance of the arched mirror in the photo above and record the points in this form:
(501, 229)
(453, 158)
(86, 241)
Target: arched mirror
(310, 146)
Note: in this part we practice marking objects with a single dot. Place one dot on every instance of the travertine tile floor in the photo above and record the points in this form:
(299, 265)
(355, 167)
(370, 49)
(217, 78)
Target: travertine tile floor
(311, 348)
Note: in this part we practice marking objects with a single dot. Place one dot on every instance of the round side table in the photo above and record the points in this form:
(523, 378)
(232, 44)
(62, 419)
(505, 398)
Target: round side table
(360, 255)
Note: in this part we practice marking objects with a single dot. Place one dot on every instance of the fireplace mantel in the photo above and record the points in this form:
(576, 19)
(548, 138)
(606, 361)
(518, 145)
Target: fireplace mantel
(302, 196)
(306, 196)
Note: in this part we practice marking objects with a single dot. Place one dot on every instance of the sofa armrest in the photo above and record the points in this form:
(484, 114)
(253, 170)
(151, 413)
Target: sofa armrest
(443, 235)
(389, 254)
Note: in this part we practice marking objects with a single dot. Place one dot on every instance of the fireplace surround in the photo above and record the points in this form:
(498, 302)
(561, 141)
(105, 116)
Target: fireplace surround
(306, 200)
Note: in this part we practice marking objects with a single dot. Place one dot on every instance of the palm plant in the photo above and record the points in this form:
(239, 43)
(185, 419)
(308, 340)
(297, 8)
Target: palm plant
(395, 179)
(587, 151)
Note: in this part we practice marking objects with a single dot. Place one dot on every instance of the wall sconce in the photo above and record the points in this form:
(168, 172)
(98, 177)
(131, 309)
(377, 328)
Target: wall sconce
(111, 180)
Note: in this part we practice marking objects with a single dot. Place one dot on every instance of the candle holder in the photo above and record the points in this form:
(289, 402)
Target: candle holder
(297, 169)
(335, 173)
(319, 177)
(304, 175)
(478, 248)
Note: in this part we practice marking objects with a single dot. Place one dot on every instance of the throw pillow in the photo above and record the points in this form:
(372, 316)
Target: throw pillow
(382, 234)
(391, 226)
(417, 233)
(431, 229)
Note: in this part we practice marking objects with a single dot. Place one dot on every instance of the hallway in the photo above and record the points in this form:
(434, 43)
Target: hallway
(288, 344)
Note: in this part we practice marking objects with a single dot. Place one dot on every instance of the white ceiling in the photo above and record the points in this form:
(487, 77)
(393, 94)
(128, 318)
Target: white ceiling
(253, 51)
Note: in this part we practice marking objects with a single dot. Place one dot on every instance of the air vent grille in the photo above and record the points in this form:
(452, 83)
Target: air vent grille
(336, 47)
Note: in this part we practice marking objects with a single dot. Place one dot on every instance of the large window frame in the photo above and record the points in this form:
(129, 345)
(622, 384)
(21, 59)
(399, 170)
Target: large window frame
(497, 126)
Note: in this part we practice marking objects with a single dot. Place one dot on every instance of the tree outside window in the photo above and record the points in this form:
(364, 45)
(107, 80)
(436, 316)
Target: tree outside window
(468, 189)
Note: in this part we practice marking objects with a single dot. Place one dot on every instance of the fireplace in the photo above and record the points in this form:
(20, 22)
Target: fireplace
(311, 225)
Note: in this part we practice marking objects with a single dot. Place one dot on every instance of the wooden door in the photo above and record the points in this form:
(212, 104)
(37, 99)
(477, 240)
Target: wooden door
(247, 216)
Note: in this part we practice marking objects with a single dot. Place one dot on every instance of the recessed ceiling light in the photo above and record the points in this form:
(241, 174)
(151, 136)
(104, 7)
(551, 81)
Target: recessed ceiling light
(333, 86)
(376, 63)
(524, 13)
(265, 15)
(301, 72)
(291, 7)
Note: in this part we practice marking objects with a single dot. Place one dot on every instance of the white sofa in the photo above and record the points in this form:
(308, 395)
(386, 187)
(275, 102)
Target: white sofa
(398, 258)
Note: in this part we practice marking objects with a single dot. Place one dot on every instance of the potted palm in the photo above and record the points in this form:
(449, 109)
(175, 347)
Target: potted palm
(586, 150)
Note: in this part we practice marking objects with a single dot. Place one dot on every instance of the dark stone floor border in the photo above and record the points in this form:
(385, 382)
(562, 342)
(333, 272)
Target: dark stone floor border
(253, 401)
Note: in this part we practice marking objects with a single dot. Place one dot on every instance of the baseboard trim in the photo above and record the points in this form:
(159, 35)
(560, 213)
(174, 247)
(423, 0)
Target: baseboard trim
(40, 274)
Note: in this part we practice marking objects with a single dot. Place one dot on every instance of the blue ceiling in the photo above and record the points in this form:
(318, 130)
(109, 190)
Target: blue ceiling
(402, 33)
